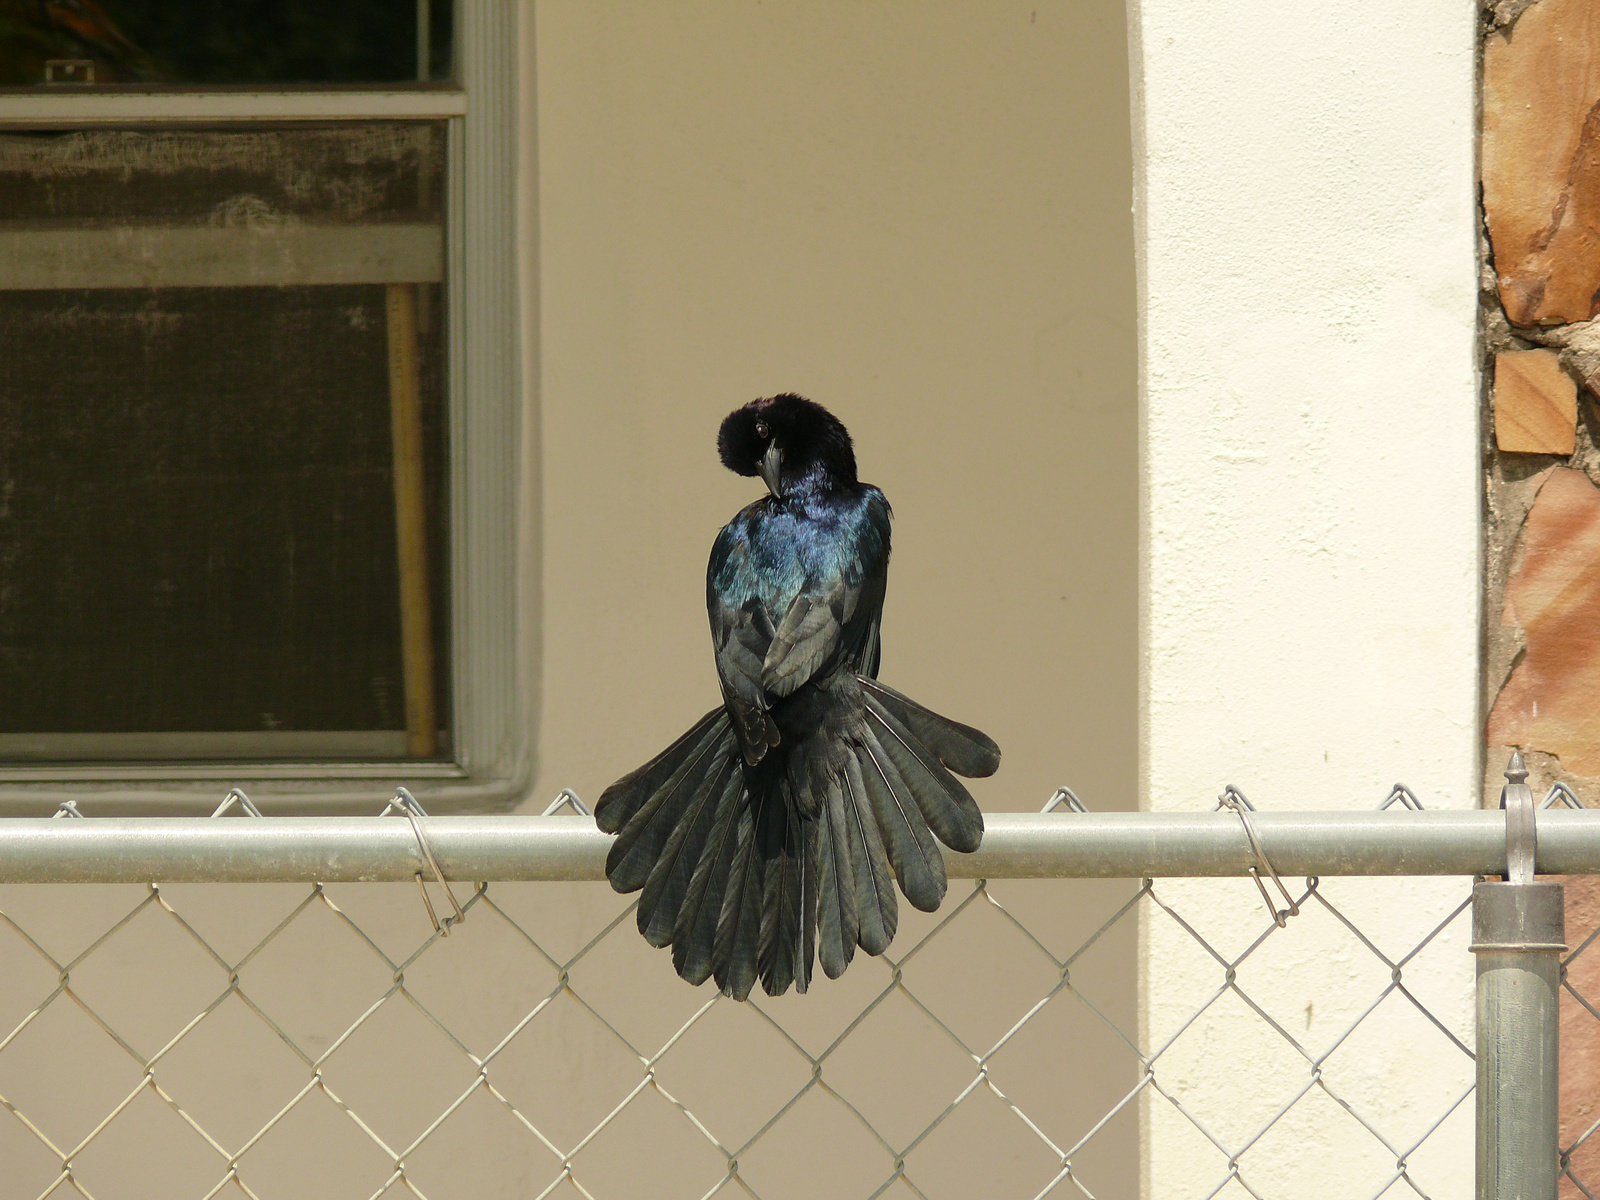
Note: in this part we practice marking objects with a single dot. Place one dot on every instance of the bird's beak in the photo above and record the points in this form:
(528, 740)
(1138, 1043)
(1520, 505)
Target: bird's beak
(771, 469)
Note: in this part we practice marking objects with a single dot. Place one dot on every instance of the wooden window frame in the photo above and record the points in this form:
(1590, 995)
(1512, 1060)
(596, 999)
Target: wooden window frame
(492, 740)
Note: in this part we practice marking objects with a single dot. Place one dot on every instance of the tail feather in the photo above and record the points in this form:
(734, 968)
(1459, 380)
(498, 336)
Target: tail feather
(622, 800)
(918, 865)
(664, 890)
(633, 855)
(780, 895)
(877, 909)
(694, 936)
(733, 962)
(961, 748)
(950, 810)
(788, 903)
(838, 920)
(809, 899)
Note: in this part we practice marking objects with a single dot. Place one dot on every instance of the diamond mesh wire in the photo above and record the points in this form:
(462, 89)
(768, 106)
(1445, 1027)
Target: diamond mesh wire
(1580, 980)
(272, 1040)
(1580, 1133)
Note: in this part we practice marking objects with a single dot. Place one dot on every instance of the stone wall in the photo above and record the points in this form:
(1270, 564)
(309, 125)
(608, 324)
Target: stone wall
(1540, 160)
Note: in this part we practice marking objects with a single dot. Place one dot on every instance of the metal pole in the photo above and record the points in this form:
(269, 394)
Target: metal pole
(1518, 931)
(1015, 846)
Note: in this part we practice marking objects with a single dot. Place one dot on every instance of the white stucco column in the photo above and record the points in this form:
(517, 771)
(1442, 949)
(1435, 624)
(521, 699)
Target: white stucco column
(1306, 200)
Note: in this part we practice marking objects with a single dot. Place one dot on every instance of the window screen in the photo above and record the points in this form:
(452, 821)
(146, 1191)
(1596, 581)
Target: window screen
(223, 492)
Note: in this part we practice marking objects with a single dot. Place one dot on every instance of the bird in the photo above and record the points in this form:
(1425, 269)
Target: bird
(771, 835)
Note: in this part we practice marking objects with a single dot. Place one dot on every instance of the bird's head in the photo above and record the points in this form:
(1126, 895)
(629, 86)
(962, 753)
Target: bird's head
(790, 442)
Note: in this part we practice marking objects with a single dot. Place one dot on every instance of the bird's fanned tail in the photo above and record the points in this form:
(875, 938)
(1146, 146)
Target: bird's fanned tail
(746, 882)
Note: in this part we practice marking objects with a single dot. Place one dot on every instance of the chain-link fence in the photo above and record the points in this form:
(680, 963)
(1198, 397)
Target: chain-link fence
(1580, 1040)
(335, 1039)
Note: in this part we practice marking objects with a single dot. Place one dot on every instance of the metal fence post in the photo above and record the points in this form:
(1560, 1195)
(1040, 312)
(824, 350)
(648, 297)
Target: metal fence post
(1518, 935)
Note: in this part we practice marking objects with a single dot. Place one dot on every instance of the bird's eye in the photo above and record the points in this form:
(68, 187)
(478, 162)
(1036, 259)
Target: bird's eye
(762, 431)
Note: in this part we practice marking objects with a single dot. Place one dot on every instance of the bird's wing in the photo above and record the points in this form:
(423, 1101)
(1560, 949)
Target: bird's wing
(741, 631)
(807, 637)
(873, 654)
(874, 581)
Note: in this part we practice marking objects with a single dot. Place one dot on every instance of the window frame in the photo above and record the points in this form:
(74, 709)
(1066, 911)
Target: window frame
(491, 761)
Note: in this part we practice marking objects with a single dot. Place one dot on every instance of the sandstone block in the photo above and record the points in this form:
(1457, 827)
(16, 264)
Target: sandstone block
(1535, 403)
(1541, 161)
(1551, 702)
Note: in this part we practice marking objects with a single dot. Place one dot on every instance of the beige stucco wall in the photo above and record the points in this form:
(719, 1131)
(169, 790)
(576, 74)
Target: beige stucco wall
(919, 216)
(1311, 456)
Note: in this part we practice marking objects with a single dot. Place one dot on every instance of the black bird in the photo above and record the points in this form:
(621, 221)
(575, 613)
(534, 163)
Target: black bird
(766, 835)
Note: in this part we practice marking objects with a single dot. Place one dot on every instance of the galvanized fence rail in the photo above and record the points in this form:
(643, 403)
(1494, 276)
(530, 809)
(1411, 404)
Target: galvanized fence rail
(1517, 936)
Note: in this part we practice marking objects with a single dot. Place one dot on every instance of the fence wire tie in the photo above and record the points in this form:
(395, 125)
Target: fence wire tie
(1233, 800)
(1562, 793)
(569, 798)
(1403, 796)
(1066, 798)
(407, 805)
(237, 796)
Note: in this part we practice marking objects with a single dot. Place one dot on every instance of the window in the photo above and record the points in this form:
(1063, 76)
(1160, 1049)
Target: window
(258, 419)
(258, 43)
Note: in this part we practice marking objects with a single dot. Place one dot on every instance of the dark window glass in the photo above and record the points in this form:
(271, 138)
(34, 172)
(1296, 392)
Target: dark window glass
(223, 524)
(261, 42)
